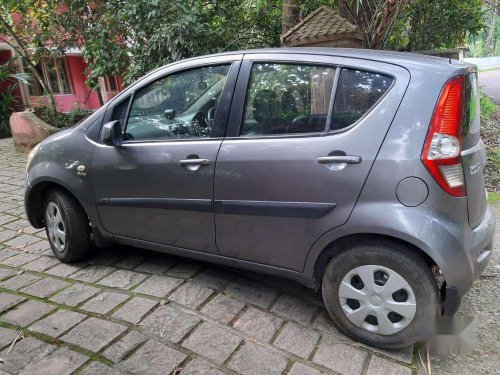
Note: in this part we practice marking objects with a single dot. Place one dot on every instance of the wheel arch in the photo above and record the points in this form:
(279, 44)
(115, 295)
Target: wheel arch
(343, 243)
(34, 200)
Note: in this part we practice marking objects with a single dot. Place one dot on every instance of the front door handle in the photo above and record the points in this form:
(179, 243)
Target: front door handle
(193, 162)
(340, 159)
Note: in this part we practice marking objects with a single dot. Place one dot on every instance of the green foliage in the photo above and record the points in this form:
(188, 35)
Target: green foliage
(7, 99)
(494, 198)
(59, 119)
(431, 24)
(487, 108)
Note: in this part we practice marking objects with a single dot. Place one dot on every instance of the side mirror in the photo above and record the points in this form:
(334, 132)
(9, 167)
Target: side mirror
(169, 114)
(111, 134)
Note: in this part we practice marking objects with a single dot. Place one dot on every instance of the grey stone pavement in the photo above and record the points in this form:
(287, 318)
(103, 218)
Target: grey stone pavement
(490, 84)
(132, 311)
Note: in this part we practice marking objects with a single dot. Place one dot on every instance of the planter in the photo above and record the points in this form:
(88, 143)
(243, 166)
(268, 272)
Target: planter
(28, 130)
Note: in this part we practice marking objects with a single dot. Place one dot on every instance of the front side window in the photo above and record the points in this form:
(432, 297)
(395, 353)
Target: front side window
(287, 99)
(181, 105)
(357, 92)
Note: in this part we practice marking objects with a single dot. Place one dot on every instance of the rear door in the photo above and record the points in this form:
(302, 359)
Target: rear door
(301, 140)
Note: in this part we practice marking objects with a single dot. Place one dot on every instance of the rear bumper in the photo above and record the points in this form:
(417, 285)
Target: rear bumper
(461, 253)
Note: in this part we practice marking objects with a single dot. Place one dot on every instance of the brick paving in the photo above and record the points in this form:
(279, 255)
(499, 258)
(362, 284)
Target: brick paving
(132, 311)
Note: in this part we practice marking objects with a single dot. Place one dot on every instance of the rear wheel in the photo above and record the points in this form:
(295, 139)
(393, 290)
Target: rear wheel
(381, 293)
(67, 226)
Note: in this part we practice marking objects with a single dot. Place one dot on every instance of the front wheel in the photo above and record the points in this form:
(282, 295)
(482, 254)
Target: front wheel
(67, 226)
(382, 294)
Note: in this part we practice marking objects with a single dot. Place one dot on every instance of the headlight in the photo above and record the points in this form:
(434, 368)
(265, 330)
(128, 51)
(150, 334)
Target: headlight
(31, 155)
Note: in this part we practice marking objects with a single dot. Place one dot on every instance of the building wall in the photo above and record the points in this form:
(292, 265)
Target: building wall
(82, 97)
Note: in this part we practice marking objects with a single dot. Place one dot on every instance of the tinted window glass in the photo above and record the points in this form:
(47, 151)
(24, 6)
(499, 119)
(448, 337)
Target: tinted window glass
(287, 98)
(357, 92)
(181, 105)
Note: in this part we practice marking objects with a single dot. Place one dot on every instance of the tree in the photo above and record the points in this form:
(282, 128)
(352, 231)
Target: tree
(291, 14)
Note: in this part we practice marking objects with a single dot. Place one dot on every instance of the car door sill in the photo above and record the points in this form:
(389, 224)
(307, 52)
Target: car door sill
(219, 259)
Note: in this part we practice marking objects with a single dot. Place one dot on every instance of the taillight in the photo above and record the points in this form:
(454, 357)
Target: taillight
(441, 153)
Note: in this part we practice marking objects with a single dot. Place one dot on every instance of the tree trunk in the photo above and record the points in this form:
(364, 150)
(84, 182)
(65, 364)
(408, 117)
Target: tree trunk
(21, 51)
(489, 44)
(291, 14)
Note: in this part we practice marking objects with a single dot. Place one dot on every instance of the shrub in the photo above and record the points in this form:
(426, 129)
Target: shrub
(61, 120)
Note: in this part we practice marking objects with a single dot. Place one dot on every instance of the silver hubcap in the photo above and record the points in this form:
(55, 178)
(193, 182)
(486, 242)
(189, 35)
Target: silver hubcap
(377, 299)
(55, 226)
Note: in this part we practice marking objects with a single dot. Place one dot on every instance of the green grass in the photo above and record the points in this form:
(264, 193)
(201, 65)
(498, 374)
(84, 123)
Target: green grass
(494, 198)
(487, 107)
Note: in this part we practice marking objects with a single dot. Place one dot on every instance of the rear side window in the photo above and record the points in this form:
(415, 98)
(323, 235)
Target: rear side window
(357, 92)
(287, 99)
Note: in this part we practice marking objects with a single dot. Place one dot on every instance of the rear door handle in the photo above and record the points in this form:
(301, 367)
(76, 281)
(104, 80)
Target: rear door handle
(193, 162)
(340, 159)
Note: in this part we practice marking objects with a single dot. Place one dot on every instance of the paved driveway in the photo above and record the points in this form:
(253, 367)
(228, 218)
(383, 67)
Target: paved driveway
(490, 84)
(132, 311)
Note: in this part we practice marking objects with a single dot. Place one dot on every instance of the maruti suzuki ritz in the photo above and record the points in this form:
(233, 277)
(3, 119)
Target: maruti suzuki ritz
(358, 173)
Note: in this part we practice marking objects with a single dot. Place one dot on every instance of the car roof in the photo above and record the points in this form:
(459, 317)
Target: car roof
(405, 59)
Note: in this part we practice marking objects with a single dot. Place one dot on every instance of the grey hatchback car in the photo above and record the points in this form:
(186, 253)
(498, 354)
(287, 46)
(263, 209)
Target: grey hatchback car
(358, 173)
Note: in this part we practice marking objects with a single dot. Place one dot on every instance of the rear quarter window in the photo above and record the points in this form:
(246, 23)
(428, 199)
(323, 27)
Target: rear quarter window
(357, 92)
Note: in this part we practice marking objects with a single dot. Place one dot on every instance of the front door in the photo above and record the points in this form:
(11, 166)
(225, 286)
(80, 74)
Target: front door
(158, 186)
(300, 145)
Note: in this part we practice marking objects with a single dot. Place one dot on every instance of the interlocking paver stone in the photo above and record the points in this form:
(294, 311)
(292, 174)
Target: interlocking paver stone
(6, 273)
(60, 362)
(301, 369)
(340, 357)
(26, 313)
(104, 302)
(25, 352)
(130, 261)
(20, 259)
(251, 292)
(158, 286)
(7, 336)
(19, 281)
(199, 367)
(22, 241)
(41, 264)
(153, 358)
(97, 368)
(92, 273)
(135, 309)
(45, 287)
(75, 294)
(212, 342)
(294, 308)
(156, 264)
(297, 340)
(325, 324)
(213, 279)
(125, 345)
(253, 359)
(170, 323)
(39, 247)
(94, 334)
(258, 324)
(183, 270)
(7, 253)
(223, 308)
(8, 300)
(380, 366)
(191, 295)
(56, 324)
(7, 234)
(123, 279)
(64, 270)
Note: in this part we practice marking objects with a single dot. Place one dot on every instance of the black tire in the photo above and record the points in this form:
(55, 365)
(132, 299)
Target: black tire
(76, 226)
(399, 258)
